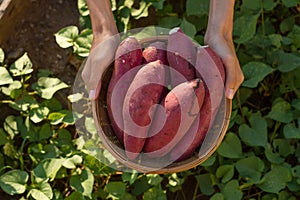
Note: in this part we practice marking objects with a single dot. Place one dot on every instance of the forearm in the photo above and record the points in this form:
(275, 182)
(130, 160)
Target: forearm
(102, 18)
(220, 20)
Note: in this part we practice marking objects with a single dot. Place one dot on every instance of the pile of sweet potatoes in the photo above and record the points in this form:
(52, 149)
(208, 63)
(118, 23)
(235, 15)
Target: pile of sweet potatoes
(162, 98)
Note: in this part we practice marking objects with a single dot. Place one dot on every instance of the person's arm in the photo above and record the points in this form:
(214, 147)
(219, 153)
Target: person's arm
(103, 23)
(219, 37)
(105, 42)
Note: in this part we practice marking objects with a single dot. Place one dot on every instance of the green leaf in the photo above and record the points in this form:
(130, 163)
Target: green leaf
(11, 125)
(276, 179)
(14, 182)
(273, 157)
(251, 5)
(155, 193)
(225, 172)
(232, 190)
(3, 137)
(281, 111)
(245, 28)
(217, 196)
(287, 61)
(231, 146)
(250, 169)
(153, 179)
(2, 56)
(169, 22)
(115, 189)
(283, 147)
(46, 86)
(5, 77)
(66, 36)
(254, 73)
(290, 3)
(142, 11)
(205, 183)
(12, 86)
(290, 131)
(38, 114)
(75, 97)
(269, 4)
(56, 117)
(129, 177)
(75, 196)
(22, 66)
(197, 7)
(287, 24)
(48, 168)
(188, 28)
(257, 134)
(71, 162)
(83, 43)
(83, 182)
(42, 191)
(83, 8)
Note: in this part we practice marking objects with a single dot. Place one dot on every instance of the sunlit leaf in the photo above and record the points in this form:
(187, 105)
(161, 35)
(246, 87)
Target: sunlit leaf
(2, 56)
(22, 66)
(48, 168)
(5, 77)
(14, 181)
(47, 86)
(83, 182)
(66, 36)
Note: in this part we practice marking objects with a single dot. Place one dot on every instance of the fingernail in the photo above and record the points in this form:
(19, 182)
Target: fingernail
(230, 94)
(92, 94)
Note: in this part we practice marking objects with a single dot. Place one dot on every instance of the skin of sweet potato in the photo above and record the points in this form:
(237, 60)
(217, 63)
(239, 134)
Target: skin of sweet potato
(156, 51)
(195, 135)
(182, 105)
(181, 55)
(128, 56)
(144, 92)
(213, 78)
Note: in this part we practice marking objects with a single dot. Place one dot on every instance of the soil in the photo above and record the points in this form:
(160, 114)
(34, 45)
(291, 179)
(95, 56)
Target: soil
(33, 32)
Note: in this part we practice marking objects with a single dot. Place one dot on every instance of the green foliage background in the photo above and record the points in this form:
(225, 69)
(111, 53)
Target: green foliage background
(42, 157)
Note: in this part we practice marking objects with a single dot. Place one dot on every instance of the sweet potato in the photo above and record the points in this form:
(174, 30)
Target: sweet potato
(181, 55)
(142, 96)
(128, 56)
(212, 75)
(210, 67)
(182, 105)
(156, 51)
(195, 135)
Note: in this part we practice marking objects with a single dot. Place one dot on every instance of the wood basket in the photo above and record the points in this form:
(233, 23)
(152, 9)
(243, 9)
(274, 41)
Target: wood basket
(107, 136)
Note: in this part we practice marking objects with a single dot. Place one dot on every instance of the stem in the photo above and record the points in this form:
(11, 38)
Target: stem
(263, 17)
(21, 154)
(195, 191)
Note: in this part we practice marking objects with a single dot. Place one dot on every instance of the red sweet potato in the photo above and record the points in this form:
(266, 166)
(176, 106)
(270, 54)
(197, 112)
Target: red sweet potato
(210, 67)
(195, 135)
(138, 109)
(182, 105)
(156, 51)
(128, 57)
(181, 55)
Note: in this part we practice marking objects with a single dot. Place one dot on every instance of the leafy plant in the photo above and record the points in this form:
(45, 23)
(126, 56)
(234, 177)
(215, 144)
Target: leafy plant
(43, 157)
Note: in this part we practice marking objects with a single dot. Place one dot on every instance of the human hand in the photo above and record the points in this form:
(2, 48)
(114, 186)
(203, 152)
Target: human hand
(224, 48)
(218, 36)
(101, 56)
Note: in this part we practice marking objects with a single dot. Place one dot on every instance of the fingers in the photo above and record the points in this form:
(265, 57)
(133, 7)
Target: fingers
(234, 75)
(101, 57)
